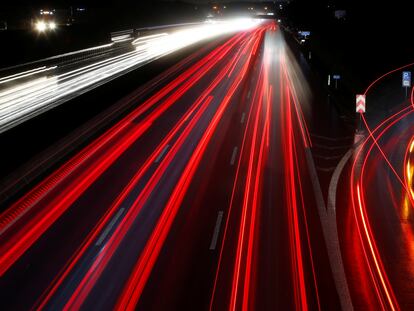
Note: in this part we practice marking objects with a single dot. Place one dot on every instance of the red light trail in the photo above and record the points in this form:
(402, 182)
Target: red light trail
(250, 73)
(383, 288)
(126, 131)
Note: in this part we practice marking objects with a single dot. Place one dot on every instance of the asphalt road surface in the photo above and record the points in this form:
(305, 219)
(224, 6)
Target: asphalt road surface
(208, 195)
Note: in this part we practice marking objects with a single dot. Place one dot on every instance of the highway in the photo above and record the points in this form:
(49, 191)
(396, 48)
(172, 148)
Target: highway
(200, 196)
(227, 187)
(26, 94)
(375, 221)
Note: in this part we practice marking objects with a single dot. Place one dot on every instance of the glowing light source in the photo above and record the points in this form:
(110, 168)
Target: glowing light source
(168, 43)
(41, 26)
(22, 101)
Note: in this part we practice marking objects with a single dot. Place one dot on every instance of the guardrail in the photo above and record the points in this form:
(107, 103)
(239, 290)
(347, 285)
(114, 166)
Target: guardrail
(65, 58)
(120, 40)
(59, 152)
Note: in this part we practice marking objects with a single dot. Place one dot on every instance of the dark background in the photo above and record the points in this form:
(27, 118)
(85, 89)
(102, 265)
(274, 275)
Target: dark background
(20, 43)
(373, 38)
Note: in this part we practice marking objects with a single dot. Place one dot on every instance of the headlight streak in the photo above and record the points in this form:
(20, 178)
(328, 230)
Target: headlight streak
(25, 74)
(27, 201)
(179, 39)
(193, 76)
(129, 132)
(20, 103)
(26, 236)
(146, 39)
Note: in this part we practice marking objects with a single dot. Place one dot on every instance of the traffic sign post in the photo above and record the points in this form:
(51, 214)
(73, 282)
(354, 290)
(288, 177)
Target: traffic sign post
(406, 81)
(361, 103)
(336, 78)
(304, 34)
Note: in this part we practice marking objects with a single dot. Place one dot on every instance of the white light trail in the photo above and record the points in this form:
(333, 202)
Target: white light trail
(26, 99)
(25, 74)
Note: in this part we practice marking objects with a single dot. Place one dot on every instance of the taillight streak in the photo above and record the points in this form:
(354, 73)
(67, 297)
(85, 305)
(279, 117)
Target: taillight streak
(31, 198)
(26, 235)
(116, 205)
(249, 209)
(382, 287)
(291, 196)
(132, 291)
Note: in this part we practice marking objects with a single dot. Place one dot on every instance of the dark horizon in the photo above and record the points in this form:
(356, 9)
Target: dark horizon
(168, 155)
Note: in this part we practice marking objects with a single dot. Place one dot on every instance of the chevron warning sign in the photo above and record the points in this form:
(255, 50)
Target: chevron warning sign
(360, 103)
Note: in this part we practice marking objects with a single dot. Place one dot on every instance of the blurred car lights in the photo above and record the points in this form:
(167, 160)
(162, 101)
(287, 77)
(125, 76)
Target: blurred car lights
(52, 25)
(43, 26)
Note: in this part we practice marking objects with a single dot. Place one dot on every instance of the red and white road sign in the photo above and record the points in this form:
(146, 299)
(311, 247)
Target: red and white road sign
(360, 103)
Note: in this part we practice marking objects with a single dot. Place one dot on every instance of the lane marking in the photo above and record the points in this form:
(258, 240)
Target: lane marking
(233, 156)
(333, 184)
(330, 234)
(109, 227)
(242, 118)
(216, 230)
(248, 94)
(161, 154)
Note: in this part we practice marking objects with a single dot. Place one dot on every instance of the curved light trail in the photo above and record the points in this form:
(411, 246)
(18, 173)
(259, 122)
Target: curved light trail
(135, 197)
(379, 278)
